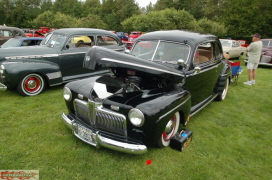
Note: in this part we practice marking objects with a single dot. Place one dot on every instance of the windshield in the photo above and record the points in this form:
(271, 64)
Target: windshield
(12, 43)
(161, 51)
(53, 39)
(225, 43)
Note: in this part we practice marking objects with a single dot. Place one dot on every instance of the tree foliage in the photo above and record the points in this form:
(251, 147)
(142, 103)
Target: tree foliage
(232, 18)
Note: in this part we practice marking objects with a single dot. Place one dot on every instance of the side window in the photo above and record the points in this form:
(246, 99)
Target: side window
(17, 33)
(81, 41)
(6, 33)
(203, 53)
(26, 43)
(106, 41)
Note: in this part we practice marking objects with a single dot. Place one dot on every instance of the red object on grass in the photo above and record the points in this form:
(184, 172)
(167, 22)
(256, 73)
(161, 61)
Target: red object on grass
(148, 162)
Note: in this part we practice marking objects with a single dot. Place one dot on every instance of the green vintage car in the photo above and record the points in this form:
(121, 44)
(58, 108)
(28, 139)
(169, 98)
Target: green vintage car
(57, 60)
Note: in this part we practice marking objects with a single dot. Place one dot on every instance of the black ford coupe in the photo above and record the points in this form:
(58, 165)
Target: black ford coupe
(149, 93)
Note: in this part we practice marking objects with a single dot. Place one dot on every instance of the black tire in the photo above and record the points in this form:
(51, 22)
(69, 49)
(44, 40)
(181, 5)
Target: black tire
(170, 130)
(31, 85)
(225, 91)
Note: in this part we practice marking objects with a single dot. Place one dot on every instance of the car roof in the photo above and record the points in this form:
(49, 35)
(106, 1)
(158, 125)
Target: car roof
(9, 27)
(28, 38)
(70, 31)
(188, 37)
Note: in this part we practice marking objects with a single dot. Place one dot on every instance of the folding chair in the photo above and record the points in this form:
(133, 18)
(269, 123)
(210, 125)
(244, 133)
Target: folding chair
(236, 70)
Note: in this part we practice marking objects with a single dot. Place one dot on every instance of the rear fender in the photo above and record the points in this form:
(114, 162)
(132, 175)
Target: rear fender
(224, 75)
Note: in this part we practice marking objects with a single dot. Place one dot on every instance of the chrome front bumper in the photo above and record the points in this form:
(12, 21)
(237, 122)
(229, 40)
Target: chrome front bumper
(3, 87)
(106, 142)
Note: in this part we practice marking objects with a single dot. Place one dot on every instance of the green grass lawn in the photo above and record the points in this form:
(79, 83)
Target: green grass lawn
(231, 140)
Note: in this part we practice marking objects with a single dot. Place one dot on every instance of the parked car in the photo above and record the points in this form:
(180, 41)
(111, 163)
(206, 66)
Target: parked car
(57, 60)
(128, 44)
(133, 35)
(122, 36)
(266, 58)
(267, 45)
(233, 47)
(149, 93)
(7, 32)
(22, 41)
(33, 33)
(243, 43)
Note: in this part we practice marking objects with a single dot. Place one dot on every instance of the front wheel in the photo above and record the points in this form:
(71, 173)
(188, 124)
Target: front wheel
(224, 93)
(170, 130)
(31, 85)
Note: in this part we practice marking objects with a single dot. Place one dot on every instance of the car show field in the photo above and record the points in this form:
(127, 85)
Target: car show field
(231, 140)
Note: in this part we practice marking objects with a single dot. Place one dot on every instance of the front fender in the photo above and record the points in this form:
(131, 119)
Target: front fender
(16, 71)
(159, 110)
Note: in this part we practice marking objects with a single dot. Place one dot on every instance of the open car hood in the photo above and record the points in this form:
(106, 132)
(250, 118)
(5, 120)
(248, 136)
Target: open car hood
(99, 57)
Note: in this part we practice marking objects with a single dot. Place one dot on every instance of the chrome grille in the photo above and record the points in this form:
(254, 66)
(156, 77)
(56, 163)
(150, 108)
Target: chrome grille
(99, 118)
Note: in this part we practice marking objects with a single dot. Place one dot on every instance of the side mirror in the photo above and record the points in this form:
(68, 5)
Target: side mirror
(181, 64)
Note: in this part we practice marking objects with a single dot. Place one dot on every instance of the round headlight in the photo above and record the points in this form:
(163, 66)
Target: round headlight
(67, 94)
(136, 117)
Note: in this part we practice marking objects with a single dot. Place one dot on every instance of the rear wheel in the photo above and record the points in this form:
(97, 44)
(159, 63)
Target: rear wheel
(32, 84)
(170, 130)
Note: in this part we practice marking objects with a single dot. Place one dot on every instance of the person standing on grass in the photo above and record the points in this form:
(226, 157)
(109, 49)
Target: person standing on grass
(254, 51)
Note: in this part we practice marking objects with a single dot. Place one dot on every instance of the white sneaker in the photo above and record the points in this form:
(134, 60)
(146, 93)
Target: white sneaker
(253, 82)
(248, 83)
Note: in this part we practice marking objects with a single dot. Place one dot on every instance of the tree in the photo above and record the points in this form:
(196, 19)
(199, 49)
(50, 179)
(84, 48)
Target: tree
(54, 20)
(92, 7)
(207, 26)
(68, 7)
(116, 11)
(160, 20)
(92, 21)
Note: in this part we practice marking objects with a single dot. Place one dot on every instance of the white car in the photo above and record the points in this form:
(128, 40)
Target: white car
(233, 48)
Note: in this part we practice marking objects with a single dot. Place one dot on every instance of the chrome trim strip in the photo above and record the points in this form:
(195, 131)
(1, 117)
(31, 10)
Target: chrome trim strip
(142, 66)
(54, 75)
(106, 142)
(174, 108)
(212, 98)
(32, 56)
(83, 52)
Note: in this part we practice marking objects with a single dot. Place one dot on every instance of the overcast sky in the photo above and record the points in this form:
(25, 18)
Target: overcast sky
(144, 3)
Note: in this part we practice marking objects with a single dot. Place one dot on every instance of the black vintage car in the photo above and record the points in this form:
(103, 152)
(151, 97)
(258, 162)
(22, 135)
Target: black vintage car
(57, 60)
(149, 94)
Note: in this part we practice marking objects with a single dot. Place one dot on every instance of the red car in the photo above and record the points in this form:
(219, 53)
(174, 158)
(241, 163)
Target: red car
(133, 35)
(243, 43)
(33, 33)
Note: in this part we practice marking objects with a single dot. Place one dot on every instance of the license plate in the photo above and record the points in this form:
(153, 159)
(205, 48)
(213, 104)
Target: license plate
(84, 133)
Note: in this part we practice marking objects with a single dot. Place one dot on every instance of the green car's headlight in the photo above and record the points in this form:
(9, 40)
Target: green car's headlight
(136, 117)
(67, 94)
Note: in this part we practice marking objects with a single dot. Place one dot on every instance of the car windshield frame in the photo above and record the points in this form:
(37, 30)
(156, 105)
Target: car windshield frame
(157, 50)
